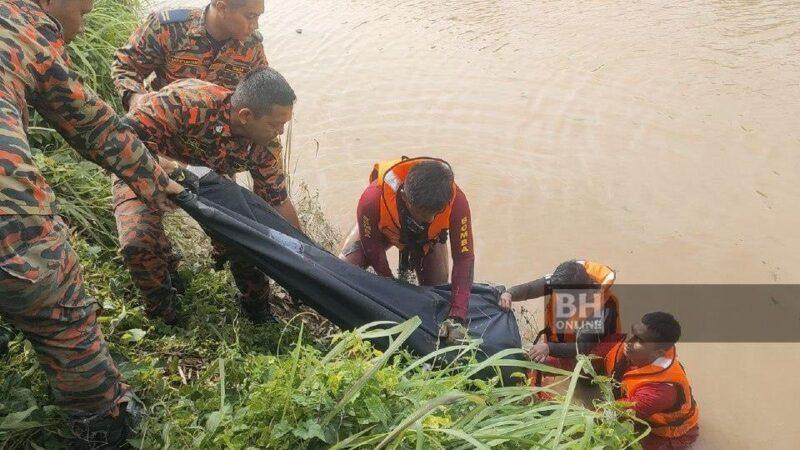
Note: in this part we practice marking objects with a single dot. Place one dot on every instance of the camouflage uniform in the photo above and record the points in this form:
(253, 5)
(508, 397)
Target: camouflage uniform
(41, 288)
(171, 45)
(190, 122)
(174, 45)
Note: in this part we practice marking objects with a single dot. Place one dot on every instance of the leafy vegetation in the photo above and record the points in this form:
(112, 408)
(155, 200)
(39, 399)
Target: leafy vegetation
(219, 381)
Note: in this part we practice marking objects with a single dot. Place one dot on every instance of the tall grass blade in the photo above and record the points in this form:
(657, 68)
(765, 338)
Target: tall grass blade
(419, 414)
(568, 399)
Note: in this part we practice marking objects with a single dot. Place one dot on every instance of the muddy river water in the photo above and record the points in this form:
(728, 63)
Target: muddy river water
(660, 137)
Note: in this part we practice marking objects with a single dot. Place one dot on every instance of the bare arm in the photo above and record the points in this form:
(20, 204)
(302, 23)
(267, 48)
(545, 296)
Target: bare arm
(526, 291)
(288, 212)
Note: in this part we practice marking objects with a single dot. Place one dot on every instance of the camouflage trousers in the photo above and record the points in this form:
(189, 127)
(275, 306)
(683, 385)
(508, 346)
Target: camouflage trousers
(42, 295)
(149, 256)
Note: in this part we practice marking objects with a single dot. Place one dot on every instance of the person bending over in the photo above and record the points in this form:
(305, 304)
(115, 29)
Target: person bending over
(42, 292)
(199, 123)
(415, 205)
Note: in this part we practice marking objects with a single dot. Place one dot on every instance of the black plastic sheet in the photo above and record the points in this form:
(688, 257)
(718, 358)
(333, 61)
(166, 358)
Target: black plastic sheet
(345, 294)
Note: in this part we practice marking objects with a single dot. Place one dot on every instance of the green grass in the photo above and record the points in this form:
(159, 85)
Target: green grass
(84, 194)
(108, 27)
(220, 382)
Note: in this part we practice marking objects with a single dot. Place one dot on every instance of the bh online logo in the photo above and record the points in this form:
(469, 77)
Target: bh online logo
(578, 311)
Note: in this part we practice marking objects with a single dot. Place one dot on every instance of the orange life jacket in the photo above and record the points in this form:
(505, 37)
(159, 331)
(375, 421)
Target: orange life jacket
(390, 176)
(601, 275)
(685, 414)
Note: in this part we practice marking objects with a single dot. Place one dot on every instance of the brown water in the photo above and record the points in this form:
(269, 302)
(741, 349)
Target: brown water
(659, 137)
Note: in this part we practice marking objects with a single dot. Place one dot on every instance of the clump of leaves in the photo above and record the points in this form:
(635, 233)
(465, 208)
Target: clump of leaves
(354, 396)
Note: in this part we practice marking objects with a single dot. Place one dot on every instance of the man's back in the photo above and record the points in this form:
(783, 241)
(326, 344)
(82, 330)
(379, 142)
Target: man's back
(188, 120)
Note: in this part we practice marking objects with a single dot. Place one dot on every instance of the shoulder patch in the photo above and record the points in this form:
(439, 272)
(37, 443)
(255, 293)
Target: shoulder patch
(169, 16)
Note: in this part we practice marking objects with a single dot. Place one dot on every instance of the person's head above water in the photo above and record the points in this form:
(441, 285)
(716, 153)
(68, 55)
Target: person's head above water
(234, 19)
(70, 14)
(651, 338)
(427, 190)
(261, 105)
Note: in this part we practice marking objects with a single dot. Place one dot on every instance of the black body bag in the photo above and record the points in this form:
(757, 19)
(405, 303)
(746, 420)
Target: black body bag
(345, 294)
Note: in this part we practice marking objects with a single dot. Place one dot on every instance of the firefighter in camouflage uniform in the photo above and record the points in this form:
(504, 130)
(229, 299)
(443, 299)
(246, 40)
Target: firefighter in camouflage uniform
(41, 287)
(219, 43)
(201, 124)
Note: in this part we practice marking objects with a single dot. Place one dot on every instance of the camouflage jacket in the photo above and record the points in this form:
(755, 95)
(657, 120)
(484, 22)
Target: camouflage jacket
(173, 45)
(189, 121)
(35, 70)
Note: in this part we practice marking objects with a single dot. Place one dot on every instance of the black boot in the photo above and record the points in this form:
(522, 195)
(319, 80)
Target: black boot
(108, 432)
(220, 257)
(165, 308)
(257, 310)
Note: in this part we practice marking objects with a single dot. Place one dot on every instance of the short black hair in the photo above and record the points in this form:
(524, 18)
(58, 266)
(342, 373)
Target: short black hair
(571, 274)
(429, 186)
(665, 328)
(235, 4)
(261, 89)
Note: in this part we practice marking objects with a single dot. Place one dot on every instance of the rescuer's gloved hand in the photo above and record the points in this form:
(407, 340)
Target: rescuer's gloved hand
(452, 331)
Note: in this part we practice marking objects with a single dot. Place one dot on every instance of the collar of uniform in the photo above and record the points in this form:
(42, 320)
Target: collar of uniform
(198, 27)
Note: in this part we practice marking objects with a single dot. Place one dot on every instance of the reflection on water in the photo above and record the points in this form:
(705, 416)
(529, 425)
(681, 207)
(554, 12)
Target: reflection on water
(659, 137)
